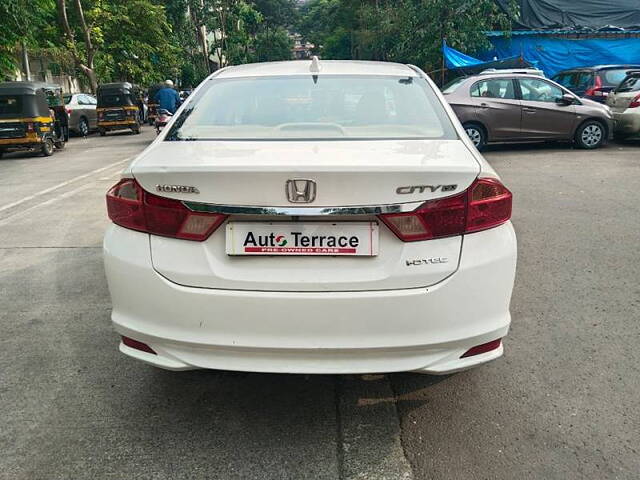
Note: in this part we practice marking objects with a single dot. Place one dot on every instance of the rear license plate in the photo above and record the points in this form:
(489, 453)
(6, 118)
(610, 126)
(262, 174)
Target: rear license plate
(300, 238)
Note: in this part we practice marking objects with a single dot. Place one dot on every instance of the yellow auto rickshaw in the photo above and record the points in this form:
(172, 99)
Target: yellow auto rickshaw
(119, 107)
(152, 104)
(32, 118)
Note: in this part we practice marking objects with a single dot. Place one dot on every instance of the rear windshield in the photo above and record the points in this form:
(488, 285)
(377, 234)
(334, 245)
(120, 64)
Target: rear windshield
(10, 105)
(330, 107)
(629, 84)
(114, 100)
(67, 98)
(451, 86)
(613, 77)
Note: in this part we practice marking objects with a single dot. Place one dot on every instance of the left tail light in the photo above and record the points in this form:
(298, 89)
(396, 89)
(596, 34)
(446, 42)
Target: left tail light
(485, 204)
(130, 206)
(31, 127)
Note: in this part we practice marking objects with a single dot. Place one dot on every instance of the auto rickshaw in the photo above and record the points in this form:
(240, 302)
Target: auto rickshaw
(119, 107)
(151, 102)
(32, 118)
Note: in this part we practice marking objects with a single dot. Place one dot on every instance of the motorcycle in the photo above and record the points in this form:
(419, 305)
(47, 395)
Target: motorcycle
(162, 118)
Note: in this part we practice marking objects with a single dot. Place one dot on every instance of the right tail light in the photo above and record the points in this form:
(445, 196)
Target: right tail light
(485, 204)
(635, 102)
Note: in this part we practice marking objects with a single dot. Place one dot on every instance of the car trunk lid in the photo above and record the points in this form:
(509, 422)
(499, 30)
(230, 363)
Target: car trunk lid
(403, 173)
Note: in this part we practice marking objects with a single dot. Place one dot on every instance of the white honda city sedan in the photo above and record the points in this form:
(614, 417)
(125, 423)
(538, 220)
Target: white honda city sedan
(311, 217)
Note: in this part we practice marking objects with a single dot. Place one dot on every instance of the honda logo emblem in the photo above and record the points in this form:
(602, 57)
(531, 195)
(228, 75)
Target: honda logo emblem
(300, 190)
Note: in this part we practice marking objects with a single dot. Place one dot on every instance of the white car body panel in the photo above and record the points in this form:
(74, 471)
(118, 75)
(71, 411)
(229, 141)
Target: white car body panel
(198, 307)
(422, 329)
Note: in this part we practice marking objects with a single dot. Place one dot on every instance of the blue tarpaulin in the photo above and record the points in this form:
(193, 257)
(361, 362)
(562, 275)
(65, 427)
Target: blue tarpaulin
(455, 60)
(552, 54)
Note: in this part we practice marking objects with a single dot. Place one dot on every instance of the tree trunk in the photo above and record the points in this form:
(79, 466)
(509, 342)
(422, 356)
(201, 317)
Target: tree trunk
(26, 70)
(91, 76)
(86, 65)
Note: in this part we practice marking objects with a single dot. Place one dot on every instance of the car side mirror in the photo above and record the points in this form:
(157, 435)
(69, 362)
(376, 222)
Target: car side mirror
(566, 99)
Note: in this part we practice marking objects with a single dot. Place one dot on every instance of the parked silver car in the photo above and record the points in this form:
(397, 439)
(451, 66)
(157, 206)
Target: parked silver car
(81, 108)
(624, 101)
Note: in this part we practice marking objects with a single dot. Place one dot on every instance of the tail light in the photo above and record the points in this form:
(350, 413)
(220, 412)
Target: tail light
(129, 206)
(635, 102)
(31, 127)
(485, 204)
(595, 90)
(68, 111)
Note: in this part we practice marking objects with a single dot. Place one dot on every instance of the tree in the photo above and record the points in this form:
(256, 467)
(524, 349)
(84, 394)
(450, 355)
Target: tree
(273, 46)
(136, 42)
(83, 51)
(24, 24)
(409, 31)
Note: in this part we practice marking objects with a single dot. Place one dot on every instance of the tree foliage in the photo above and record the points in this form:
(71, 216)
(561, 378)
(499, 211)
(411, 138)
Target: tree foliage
(31, 22)
(409, 31)
(145, 41)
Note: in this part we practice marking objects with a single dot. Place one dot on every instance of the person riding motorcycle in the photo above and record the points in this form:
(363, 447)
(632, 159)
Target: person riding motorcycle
(167, 98)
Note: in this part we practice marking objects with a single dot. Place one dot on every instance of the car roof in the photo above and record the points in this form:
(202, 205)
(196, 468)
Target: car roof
(327, 67)
(485, 76)
(599, 67)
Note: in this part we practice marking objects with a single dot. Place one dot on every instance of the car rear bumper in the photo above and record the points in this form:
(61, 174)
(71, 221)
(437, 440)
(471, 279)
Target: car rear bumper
(420, 329)
(627, 122)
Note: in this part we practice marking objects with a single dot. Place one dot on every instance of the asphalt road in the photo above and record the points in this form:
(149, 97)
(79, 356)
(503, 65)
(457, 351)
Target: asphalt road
(563, 402)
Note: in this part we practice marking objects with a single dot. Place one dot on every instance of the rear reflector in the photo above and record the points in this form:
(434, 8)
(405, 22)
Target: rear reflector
(143, 347)
(485, 204)
(484, 348)
(129, 206)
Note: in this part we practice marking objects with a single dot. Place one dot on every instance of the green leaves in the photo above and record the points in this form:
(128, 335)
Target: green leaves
(31, 21)
(408, 31)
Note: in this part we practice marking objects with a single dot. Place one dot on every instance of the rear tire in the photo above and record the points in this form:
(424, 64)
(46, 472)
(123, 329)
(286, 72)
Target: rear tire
(59, 144)
(83, 127)
(102, 132)
(47, 147)
(136, 130)
(476, 134)
(591, 134)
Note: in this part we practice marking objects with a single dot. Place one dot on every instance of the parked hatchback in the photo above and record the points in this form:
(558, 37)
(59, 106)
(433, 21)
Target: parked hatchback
(525, 108)
(81, 108)
(624, 101)
(593, 83)
(311, 217)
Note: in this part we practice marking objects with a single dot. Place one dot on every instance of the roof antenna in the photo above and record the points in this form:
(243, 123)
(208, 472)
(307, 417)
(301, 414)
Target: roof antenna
(315, 68)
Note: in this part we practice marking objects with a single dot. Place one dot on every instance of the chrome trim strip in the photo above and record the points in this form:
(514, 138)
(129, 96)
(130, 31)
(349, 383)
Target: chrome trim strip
(302, 211)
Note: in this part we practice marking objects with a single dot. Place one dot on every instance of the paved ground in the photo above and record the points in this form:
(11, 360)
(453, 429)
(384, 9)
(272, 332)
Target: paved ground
(563, 403)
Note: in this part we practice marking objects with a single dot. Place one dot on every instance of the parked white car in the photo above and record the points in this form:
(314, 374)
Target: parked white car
(312, 217)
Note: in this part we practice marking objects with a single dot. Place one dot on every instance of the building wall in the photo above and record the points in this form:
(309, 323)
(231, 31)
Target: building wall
(41, 71)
